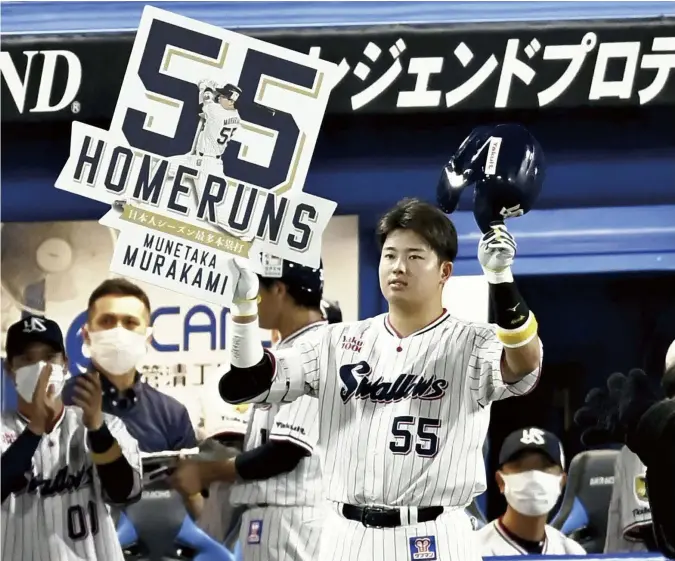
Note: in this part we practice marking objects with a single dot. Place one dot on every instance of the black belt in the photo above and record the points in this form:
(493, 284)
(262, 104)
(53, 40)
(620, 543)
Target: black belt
(382, 517)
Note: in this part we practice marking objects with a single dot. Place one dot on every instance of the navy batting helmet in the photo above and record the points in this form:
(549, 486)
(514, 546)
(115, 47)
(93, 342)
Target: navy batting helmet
(506, 165)
(297, 277)
(229, 91)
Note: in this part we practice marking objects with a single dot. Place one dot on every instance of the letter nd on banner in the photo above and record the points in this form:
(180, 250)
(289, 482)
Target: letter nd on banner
(206, 156)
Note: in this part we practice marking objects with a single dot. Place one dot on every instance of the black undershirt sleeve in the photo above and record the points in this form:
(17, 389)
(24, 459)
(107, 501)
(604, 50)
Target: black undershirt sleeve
(17, 461)
(118, 478)
(241, 385)
(269, 460)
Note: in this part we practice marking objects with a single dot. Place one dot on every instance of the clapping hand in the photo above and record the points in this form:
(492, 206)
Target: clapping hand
(88, 396)
(44, 402)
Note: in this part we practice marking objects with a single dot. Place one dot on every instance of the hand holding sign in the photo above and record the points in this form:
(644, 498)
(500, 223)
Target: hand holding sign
(211, 132)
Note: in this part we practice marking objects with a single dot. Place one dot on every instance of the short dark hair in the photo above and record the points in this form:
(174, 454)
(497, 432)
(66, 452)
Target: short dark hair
(668, 382)
(426, 220)
(118, 287)
(301, 297)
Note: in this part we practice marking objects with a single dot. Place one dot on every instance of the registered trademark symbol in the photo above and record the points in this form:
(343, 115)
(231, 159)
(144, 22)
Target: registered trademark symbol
(75, 107)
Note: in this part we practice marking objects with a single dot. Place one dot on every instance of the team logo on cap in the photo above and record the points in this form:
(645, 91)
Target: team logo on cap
(533, 436)
(34, 325)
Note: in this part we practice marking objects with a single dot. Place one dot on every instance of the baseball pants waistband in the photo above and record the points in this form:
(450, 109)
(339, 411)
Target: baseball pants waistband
(388, 517)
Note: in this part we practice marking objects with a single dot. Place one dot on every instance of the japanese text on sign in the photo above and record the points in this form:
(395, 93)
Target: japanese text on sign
(215, 130)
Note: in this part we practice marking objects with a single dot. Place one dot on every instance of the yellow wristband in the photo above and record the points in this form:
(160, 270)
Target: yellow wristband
(109, 456)
(514, 338)
(245, 308)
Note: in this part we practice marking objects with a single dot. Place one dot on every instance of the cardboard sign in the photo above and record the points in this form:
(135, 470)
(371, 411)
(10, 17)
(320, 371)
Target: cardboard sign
(206, 156)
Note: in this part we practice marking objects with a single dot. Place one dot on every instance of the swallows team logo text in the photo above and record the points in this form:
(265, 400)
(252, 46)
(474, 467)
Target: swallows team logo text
(358, 383)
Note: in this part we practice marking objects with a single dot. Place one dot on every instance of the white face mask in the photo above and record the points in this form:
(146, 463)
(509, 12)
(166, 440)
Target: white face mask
(532, 493)
(117, 350)
(27, 378)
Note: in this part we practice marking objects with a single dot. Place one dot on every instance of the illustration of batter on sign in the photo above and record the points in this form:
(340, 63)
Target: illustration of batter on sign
(219, 122)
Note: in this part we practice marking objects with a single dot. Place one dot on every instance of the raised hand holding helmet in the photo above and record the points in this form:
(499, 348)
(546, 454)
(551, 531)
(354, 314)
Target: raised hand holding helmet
(506, 166)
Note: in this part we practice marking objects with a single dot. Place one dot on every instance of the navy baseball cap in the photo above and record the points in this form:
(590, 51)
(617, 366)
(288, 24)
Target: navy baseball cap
(33, 329)
(532, 439)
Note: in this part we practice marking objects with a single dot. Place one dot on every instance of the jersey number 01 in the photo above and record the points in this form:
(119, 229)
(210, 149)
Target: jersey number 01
(78, 525)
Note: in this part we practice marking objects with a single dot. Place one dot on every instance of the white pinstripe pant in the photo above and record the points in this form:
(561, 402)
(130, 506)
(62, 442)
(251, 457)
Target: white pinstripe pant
(281, 533)
(448, 538)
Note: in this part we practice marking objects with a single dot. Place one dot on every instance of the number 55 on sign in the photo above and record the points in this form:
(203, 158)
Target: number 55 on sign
(213, 133)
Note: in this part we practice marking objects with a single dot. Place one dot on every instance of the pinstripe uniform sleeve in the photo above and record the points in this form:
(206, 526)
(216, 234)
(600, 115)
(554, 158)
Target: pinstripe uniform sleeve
(130, 450)
(297, 370)
(298, 422)
(486, 368)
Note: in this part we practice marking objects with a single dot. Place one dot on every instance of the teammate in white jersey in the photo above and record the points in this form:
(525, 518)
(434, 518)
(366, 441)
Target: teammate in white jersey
(531, 476)
(629, 520)
(60, 465)
(224, 439)
(279, 475)
(404, 397)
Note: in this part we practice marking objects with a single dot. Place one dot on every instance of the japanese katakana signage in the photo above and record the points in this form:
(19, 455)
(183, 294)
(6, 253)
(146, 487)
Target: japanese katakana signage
(401, 69)
(206, 156)
(502, 67)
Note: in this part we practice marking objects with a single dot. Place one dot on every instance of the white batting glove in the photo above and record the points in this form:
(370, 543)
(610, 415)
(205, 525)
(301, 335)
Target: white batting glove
(205, 84)
(496, 251)
(245, 300)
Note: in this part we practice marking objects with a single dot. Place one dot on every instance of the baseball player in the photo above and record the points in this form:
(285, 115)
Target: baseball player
(279, 472)
(629, 520)
(531, 476)
(219, 122)
(404, 397)
(60, 465)
(225, 439)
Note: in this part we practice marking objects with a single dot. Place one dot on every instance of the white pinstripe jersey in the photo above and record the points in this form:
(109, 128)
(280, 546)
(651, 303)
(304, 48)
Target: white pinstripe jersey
(217, 511)
(297, 422)
(220, 125)
(61, 514)
(495, 541)
(629, 505)
(402, 420)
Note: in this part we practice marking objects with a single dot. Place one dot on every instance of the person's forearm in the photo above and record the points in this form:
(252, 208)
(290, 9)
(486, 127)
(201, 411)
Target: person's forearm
(17, 461)
(264, 462)
(273, 458)
(194, 505)
(517, 330)
(119, 479)
(251, 369)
